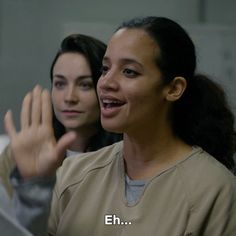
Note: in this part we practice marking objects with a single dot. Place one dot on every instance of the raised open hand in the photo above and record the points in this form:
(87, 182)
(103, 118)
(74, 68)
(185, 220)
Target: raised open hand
(34, 147)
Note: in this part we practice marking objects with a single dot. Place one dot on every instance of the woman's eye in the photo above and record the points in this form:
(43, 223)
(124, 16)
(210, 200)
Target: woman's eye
(104, 69)
(59, 84)
(130, 73)
(86, 85)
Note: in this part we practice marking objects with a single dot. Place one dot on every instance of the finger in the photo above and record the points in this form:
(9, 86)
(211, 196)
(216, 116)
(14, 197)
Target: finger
(46, 108)
(25, 111)
(36, 105)
(64, 142)
(9, 125)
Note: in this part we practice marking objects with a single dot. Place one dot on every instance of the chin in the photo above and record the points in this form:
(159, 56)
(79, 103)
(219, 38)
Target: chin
(71, 126)
(114, 128)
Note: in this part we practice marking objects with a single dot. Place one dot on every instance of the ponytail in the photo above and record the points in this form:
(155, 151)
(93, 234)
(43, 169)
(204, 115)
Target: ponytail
(202, 117)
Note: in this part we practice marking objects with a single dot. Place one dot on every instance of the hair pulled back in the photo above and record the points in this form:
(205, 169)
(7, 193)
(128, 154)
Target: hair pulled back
(202, 115)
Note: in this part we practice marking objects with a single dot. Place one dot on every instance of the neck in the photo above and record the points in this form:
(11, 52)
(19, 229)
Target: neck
(82, 139)
(147, 155)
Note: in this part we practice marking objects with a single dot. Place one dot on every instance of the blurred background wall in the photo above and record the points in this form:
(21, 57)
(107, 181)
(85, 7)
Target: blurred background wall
(31, 30)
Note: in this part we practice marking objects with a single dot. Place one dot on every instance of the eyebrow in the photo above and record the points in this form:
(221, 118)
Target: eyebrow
(124, 61)
(62, 77)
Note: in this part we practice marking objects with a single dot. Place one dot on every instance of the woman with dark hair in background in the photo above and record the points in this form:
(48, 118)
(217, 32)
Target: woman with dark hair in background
(74, 73)
(172, 174)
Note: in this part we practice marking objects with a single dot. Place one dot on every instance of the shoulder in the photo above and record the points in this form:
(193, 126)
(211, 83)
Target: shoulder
(7, 162)
(7, 165)
(6, 153)
(201, 165)
(75, 169)
(202, 175)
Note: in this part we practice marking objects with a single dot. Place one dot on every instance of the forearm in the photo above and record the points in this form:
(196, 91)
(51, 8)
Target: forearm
(32, 199)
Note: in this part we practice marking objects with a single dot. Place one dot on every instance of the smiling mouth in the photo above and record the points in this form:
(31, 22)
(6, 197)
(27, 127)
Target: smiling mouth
(108, 103)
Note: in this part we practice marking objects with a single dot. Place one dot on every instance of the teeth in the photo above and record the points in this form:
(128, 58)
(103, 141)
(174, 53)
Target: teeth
(108, 101)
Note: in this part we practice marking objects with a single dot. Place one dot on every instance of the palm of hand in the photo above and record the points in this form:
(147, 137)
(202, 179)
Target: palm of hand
(34, 147)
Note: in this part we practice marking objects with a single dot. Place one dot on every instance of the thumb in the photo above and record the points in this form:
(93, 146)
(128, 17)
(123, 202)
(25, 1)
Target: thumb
(9, 125)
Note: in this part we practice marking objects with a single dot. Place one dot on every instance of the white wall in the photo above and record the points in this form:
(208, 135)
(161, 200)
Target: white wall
(31, 30)
(221, 11)
(216, 52)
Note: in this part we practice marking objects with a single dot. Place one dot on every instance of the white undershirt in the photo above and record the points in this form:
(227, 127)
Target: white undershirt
(70, 153)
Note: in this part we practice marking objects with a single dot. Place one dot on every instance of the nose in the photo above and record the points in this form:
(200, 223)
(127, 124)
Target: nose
(71, 95)
(108, 82)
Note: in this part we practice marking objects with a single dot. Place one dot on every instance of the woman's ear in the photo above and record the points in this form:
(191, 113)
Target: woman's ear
(176, 89)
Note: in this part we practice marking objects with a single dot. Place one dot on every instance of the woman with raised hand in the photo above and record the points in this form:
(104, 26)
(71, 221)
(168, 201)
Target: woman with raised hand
(74, 73)
(34, 178)
(172, 174)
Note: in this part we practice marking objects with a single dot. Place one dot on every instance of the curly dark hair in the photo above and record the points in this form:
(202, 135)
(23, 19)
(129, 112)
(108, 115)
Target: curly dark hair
(202, 115)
